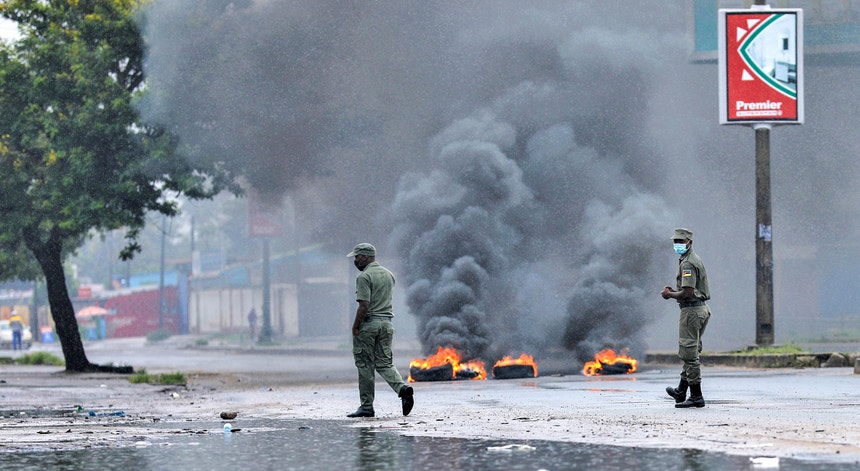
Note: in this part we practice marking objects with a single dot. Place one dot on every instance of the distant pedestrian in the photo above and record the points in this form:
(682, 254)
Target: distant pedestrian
(691, 292)
(373, 332)
(17, 326)
(252, 322)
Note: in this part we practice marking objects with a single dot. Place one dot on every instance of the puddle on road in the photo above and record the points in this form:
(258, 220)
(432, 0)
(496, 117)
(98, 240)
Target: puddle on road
(292, 444)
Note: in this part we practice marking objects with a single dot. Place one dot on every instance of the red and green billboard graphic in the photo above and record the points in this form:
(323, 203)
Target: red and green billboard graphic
(761, 66)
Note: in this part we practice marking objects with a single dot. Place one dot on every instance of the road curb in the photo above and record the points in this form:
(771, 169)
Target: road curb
(781, 360)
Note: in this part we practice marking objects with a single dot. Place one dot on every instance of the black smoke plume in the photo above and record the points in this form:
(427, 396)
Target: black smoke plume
(519, 163)
(504, 147)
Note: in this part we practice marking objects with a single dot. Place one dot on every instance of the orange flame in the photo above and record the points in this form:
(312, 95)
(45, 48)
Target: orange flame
(475, 368)
(472, 369)
(608, 357)
(524, 359)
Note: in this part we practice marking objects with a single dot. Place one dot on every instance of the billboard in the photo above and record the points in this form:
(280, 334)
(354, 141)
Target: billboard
(760, 59)
(264, 216)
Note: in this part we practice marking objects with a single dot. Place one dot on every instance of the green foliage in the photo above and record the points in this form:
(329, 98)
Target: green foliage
(142, 377)
(75, 157)
(158, 335)
(40, 358)
(74, 154)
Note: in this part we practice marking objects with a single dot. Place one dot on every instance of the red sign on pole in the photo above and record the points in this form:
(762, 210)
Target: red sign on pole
(263, 217)
(761, 66)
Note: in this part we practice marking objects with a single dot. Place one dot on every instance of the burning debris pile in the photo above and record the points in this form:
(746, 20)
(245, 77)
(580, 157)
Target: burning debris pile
(510, 368)
(446, 365)
(607, 362)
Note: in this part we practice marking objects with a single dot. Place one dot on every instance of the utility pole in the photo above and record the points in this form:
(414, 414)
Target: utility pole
(764, 238)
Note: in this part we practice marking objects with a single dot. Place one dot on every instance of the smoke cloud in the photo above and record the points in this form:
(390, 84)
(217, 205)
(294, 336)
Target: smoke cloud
(521, 164)
(506, 198)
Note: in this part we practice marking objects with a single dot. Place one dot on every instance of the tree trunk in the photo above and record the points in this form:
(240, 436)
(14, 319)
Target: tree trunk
(50, 258)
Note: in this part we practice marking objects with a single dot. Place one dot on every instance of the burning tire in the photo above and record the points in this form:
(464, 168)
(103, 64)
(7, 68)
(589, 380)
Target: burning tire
(446, 365)
(437, 373)
(515, 368)
(513, 371)
(607, 362)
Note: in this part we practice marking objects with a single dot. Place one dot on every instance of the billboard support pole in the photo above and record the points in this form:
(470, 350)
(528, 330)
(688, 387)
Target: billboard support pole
(760, 59)
(764, 230)
(764, 241)
(263, 221)
(266, 336)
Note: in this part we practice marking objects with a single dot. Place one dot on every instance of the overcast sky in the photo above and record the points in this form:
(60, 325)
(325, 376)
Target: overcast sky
(7, 29)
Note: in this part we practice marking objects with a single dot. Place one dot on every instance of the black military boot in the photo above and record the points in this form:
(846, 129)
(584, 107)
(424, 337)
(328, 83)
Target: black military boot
(695, 400)
(362, 412)
(406, 398)
(679, 393)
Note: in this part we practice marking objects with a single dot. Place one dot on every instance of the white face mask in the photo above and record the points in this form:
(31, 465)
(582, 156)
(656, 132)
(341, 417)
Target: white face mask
(680, 249)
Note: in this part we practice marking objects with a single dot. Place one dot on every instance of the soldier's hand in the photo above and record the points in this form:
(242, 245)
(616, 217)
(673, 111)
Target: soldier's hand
(666, 291)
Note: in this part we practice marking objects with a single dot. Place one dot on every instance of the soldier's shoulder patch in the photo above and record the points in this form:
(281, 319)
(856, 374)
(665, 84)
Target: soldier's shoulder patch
(686, 272)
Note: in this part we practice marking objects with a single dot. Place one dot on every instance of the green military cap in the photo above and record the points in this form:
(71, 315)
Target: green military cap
(363, 249)
(682, 234)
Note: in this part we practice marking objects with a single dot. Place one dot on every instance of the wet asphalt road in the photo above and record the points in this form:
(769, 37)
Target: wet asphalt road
(780, 412)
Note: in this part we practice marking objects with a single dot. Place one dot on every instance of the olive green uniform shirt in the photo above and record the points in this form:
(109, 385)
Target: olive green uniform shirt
(692, 274)
(376, 286)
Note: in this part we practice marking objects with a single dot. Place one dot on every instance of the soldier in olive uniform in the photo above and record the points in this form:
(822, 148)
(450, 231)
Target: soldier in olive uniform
(373, 332)
(691, 292)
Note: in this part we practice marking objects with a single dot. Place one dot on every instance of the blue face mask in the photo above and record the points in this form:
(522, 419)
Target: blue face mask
(680, 249)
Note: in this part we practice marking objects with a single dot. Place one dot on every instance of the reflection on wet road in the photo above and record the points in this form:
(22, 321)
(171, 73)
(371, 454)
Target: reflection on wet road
(321, 445)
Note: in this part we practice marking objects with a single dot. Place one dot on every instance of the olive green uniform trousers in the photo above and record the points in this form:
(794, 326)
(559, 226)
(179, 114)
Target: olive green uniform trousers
(371, 349)
(691, 327)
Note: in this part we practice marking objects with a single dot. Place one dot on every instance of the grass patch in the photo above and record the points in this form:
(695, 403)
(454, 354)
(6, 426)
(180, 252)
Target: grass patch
(835, 337)
(227, 336)
(773, 350)
(40, 358)
(142, 376)
(842, 335)
(158, 335)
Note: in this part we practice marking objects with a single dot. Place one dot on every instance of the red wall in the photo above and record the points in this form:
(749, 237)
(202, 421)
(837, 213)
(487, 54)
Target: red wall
(137, 313)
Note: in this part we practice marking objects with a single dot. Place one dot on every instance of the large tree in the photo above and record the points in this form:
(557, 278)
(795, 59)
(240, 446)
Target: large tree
(74, 155)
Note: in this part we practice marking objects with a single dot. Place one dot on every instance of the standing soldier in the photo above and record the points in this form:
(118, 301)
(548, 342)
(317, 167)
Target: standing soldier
(373, 332)
(691, 292)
